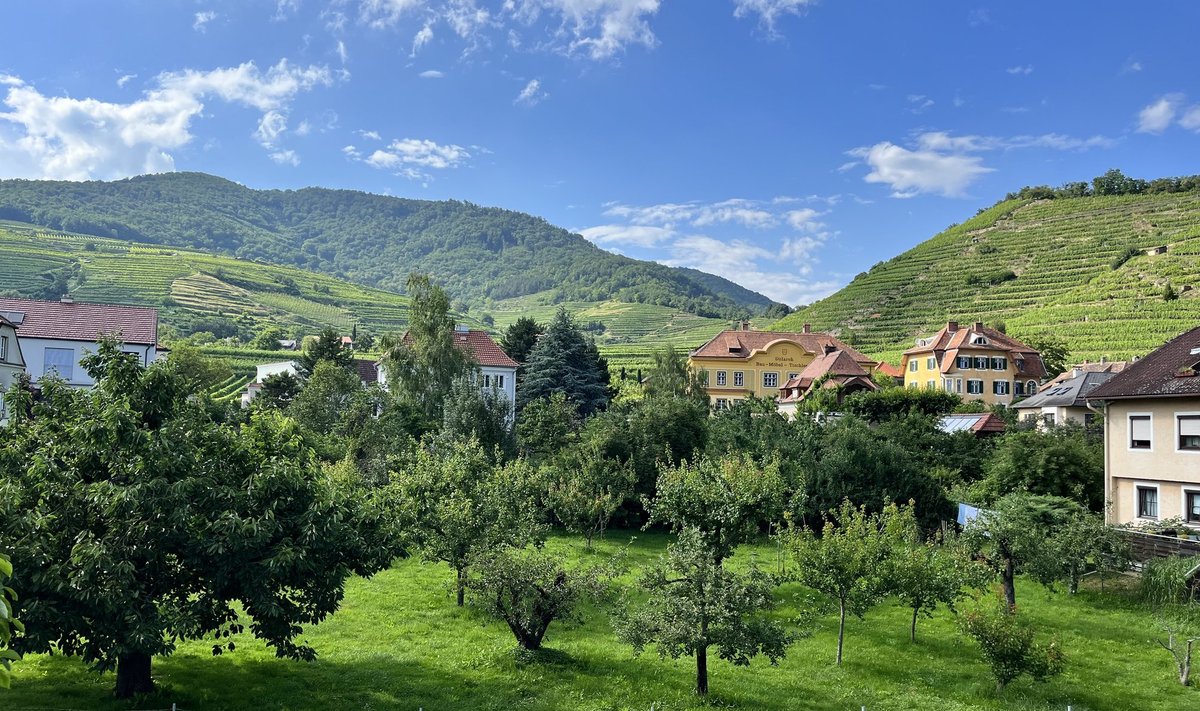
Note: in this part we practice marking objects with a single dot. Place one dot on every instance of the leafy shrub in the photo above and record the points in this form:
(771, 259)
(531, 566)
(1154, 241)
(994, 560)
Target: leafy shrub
(1008, 645)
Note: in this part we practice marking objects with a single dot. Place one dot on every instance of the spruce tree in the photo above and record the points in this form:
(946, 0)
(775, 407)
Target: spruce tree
(564, 361)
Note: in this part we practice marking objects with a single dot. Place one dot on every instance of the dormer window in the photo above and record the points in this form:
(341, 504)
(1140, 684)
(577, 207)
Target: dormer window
(978, 340)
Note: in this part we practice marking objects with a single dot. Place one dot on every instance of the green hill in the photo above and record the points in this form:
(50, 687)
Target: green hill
(480, 255)
(1040, 266)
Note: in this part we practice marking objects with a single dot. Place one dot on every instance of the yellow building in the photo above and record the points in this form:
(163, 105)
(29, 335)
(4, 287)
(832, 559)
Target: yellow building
(742, 362)
(976, 362)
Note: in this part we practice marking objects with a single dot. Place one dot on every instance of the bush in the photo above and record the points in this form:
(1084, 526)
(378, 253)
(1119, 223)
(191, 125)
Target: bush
(1008, 645)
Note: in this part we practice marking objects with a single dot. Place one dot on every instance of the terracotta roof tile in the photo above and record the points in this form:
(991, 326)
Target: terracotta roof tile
(1171, 371)
(83, 322)
(947, 344)
(740, 345)
(481, 346)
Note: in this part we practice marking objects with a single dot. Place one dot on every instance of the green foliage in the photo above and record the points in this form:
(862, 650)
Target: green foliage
(924, 574)
(671, 376)
(8, 622)
(1055, 353)
(585, 489)
(564, 361)
(278, 391)
(1129, 253)
(1062, 461)
(695, 604)
(1077, 543)
(518, 341)
(530, 588)
(456, 500)
(1171, 587)
(268, 339)
(327, 393)
(480, 253)
(1169, 293)
(546, 426)
(480, 414)
(879, 405)
(1008, 645)
(327, 346)
(144, 523)
(848, 559)
(199, 372)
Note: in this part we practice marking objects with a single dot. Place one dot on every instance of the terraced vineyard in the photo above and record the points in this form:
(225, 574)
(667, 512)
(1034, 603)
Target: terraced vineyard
(1041, 267)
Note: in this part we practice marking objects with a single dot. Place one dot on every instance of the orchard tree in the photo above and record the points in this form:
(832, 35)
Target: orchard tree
(585, 489)
(695, 604)
(422, 365)
(1009, 646)
(848, 561)
(1169, 589)
(529, 588)
(1079, 541)
(547, 426)
(925, 574)
(143, 523)
(326, 395)
(455, 500)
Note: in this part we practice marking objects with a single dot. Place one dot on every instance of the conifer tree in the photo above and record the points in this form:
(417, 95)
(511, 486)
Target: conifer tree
(564, 361)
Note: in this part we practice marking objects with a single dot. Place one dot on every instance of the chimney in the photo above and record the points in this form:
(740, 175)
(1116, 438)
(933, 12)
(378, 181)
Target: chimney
(1103, 359)
(807, 328)
(951, 326)
(978, 326)
(830, 348)
(66, 299)
(745, 325)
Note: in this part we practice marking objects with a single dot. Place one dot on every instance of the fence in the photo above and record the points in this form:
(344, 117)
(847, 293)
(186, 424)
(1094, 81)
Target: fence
(1149, 545)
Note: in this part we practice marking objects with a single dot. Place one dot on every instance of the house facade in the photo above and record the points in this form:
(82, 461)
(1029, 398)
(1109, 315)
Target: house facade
(56, 335)
(975, 362)
(497, 371)
(1151, 413)
(12, 363)
(741, 362)
(834, 370)
(1064, 402)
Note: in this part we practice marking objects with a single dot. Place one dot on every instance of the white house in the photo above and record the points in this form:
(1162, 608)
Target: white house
(265, 371)
(12, 363)
(56, 335)
(497, 370)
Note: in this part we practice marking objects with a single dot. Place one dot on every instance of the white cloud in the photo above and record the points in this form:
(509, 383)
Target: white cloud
(342, 54)
(201, 20)
(918, 103)
(303, 129)
(531, 95)
(370, 135)
(1191, 118)
(1156, 117)
(1131, 66)
(739, 261)
(743, 212)
(632, 235)
(386, 13)
(1024, 70)
(421, 39)
(413, 158)
(285, 9)
(79, 139)
(125, 79)
(769, 11)
(804, 220)
(914, 172)
(599, 29)
(287, 157)
(431, 74)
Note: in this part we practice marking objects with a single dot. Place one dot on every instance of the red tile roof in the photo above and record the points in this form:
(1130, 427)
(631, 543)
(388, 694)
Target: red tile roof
(368, 372)
(890, 370)
(839, 366)
(481, 346)
(741, 345)
(1171, 371)
(946, 344)
(83, 322)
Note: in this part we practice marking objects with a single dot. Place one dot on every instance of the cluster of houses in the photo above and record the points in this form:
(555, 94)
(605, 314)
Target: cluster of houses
(1150, 407)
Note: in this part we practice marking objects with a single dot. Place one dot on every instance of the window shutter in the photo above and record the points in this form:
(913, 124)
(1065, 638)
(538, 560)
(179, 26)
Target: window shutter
(1189, 425)
(1139, 428)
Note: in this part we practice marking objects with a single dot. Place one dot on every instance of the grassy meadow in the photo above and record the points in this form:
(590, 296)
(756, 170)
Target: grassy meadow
(400, 643)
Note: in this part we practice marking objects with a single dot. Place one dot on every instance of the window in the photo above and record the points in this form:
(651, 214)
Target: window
(912, 384)
(974, 387)
(1018, 388)
(720, 377)
(931, 384)
(931, 362)
(981, 362)
(948, 384)
(3, 348)
(912, 365)
(1147, 502)
(1000, 387)
(963, 362)
(487, 381)
(1189, 431)
(1139, 432)
(739, 378)
(770, 380)
(60, 361)
(1031, 387)
(722, 403)
(1191, 506)
(793, 376)
(999, 363)
(1048, 418)
(500, 381)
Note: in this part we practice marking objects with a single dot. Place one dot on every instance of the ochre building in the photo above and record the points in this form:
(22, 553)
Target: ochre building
(976, 362)
(741, 362)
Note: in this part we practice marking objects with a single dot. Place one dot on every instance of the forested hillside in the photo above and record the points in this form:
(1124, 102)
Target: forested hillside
(480, 255)
(1042, 263)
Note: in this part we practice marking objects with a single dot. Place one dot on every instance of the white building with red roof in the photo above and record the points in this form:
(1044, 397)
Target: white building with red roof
(56, 335)
(497, 370)
(12, 363)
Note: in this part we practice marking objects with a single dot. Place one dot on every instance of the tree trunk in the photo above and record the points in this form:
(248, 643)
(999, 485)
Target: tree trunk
(1006, 580)
(460, 585)
(133, 675)
(1185, 664)
(841, 629)
(702, 671)
(912, 633)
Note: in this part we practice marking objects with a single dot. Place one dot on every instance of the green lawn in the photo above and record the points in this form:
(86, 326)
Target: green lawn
(399, 643)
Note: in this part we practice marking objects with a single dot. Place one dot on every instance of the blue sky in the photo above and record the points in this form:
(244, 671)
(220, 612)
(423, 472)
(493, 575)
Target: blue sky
(784, 144)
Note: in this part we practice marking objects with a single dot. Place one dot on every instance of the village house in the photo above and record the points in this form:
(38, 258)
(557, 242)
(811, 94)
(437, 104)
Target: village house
(12, 363)
(1065, 401)
(1151, 415)
(741, 363)
(975, 362)
(496, 370)
(834, 370)
(56, 335)
(1104, 365)
(366, 369)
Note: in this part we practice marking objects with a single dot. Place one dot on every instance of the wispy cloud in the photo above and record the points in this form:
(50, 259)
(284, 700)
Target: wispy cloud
(412, 158)
(201, 20)
(1022, 69)
(918, 103)
(531, 95)
(1131, 66)
(431, 74)
(769, 12)
(125, 79)
(1156, 117)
